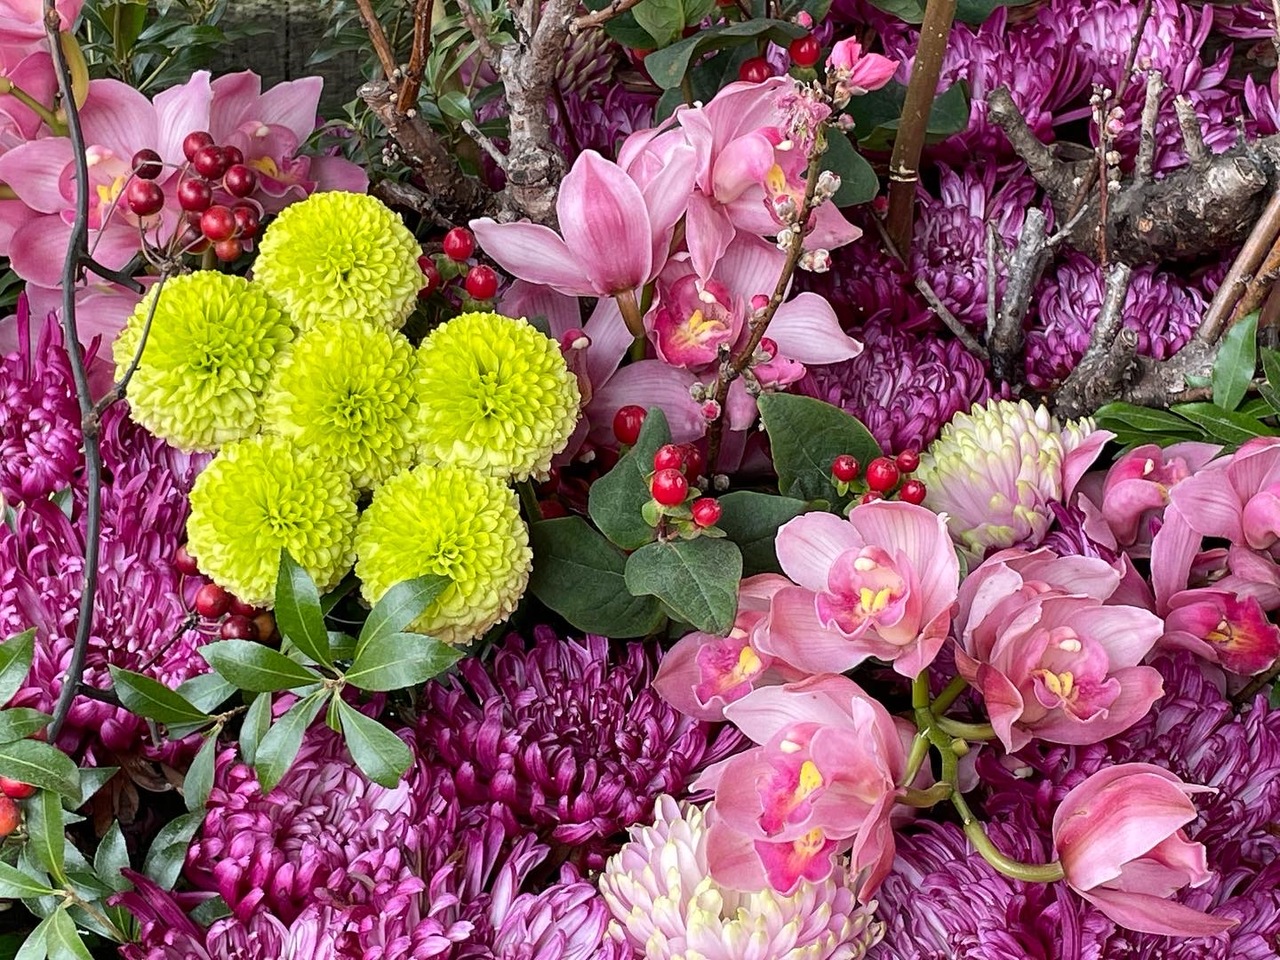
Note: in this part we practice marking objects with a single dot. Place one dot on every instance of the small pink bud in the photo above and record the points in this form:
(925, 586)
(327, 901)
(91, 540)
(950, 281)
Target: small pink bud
(710, 410)
(575, 339)
(804, 19)
(759, 301)
(769, 347)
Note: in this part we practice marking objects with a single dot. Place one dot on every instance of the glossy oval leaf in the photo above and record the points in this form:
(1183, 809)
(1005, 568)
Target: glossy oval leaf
(400, 606)
(696, 579)
(15, 663)
(148, 697)
(257, 668)
(401, 660)
(298, 613)
(380, 754)
(37, 763)
(276, 752)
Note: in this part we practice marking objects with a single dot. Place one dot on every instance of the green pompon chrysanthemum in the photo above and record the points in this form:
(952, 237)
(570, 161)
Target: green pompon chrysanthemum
(208, 355)
(494, 394)
(262, 495)
(344, 391)
(338, 255)
(452, 522)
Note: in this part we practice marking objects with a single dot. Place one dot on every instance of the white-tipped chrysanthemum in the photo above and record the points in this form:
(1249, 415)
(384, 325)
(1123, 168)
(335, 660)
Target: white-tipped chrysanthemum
(995, 471)
(666, 905)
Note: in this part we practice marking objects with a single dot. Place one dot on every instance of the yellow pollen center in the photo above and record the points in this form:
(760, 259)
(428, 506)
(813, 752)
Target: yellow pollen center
(873, 601)
(266, 165)
(775, 181)
(1221, 634)
(748, 664)
(1060, 684)
(810, 780)
(108, 194)
(809, 844)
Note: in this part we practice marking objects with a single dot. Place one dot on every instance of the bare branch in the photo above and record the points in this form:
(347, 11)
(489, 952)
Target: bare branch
(1145, 163)
(489, 147)
(1198, 155)
(1099, 375)
(1029, 259)
(1245, 265)
(600, 17)
(378, 37)
(412, 84)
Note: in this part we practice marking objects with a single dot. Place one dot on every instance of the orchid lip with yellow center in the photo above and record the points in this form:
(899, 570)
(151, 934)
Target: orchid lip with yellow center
(787, 793)
(808, 857)
(727, 668)
(865, 590)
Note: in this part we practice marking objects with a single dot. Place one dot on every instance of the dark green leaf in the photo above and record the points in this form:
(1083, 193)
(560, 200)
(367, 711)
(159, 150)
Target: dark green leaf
(401, 660)
(64, 938)
(16, 885)
(668, 66)
(169, 849)
(280, 746)
(208, 691)
(342, 646)
(18, 723)
(256, 723)
(976, 11)
(751, 520)
(616, 498)
(37, 763)
(380, 754)
(92, 779)
(1237, 358)
(877, 115)
(1222, 425)
(858, 181)
(696, 579)
(150, 698)
(1271, 366)
(46, 833)
(912, 11)
(112, 858)
(330, 600)
(15, 663)
(400, 606)
(806, 436)
(199, 779)
(256, 668)
(210, 911)
(36, 946)
(581, 576)
(662, 19)
(456, 106)
(1154, 426)
(628, 32)
(298, 614)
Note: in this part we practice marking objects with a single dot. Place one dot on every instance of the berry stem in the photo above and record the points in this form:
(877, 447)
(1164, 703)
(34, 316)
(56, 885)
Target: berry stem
(529, 500)
(58, 127)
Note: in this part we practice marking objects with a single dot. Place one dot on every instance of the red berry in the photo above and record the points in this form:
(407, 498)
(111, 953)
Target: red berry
(212, 601)
(242, 609)
(755, 70)
(871, 496)
(10, 816)
(185, 562)
(908, 460)
(694, 462)
(481, 283)
(846, 468)
(236, 627)
(144, 197)
(240, 180)
(431, 279)
(196, 141)
(668, 457)
(882, 474)
(706, 511)
(459, 244)
(194, 196)
(266, 624)
(228, 250)
(147, 164)
(16, 789)
(805, 50)
(669, 487)
(247, 222)
(913, 491)
(210, 162)
(627, 423)
(233, 155)
(218, 223)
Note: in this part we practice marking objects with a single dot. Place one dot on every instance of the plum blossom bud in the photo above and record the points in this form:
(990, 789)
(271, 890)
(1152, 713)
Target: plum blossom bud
(575, 339)
(710, 410)
(828, 185)
(785, 236)
(785, 209)
(759, 302)
(815, 261)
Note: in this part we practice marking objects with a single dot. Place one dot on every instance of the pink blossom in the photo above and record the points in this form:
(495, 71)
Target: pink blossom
(880, 584)
(1119, 838)
(1050, 657)
(1224, 628)
(857, 73)
(822, 781)
(22, 21)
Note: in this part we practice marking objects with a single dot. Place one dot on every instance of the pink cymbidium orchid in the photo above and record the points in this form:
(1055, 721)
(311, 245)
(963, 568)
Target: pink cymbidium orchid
(879, 584)
(1226, 629)
(821, 781)
(22, 21)
(855, 72)
(1119, 838)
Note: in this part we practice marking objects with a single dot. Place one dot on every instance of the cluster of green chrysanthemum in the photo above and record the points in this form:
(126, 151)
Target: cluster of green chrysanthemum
(453, 522)
(210, 349)
(263, 495)
(495, 394)
(340, 255)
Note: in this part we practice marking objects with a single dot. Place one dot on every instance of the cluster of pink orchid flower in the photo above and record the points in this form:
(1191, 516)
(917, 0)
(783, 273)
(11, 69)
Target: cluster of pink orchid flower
(680, 243)
(1056, 646)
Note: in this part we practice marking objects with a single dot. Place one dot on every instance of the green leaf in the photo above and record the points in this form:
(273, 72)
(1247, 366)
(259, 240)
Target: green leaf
(616, 499)
(18, 723)
(207, 691)
(1160, 425)
(64, 938)
(37, 763)
(16, 885)
(877, 114)
(456, 106)
(1271, 366)
(169, 849)
(628, 32)
(334, 596)
(912, 11)
(806, 436)
(662, 19)
(858, 180)
(297, 611)
(112, 858)
(401, 660)
(751, 520)
(278, 748)
(380, 754)
(15, 663)
(1223, 425)
(92, 779)
(667, 67)
(696, 579)
(581, 576)
(257, 668)
(1237, 358)
(46, 833)
(976, 11)
(36, 946)
(199, 779)
(150, 698)
(256, 723)
(400, 606)
(208, 912)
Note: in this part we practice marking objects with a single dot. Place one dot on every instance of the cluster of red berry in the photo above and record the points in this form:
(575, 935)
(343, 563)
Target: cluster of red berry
(478, 280)
(674, 499)
(233, 618)
(804, 51)
(213, 191)
(883, 476)
(11, 791)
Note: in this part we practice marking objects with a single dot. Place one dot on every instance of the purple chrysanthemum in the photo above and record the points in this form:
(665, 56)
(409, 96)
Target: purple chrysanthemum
(1245, 19)
(902, 387)
(866, 285)
(569, 739)
(39, 416)
(599, 121)
(1163, 311)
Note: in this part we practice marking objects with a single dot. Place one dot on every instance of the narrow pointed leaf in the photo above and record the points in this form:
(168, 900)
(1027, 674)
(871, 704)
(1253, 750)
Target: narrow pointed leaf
(64, 939)
(16, 885)
(36, 946)
(257, 668)
(298, 613)
(400, 606)
(380, 754)
(169, 849)
(256, 723)
(401, 660)
(111, 858)
(280, 746)
(46, 833)
(15, 662)
(208, 691)
(150, 698)
(616, 499)
(18, 723)
(199, 779)
(1235, 363)
(37, 763)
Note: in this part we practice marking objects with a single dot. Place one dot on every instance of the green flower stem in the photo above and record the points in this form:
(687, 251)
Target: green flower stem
(529, 500)
(965, 731)
(925, 798)
(948, 696)
(915, 760)
(59, 127)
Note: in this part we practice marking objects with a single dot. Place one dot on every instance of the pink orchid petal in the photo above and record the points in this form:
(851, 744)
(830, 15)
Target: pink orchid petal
(535, 253)
(1139, 689)
(1080, 459)
(293, 104)
(118, 117)
(830, 229)
(796, 636)
(38, 250)
(1156, 915)
(606, 225)
(1173, 549)
(743, 163)
(807, 329)
(338, 174)
(235, 100)
(708, 233)
(180, 110)
(1127, 633)
(610, 340)
(649, 383)
(809, 545)
(922, 536)
(13, 215)
(34, 172)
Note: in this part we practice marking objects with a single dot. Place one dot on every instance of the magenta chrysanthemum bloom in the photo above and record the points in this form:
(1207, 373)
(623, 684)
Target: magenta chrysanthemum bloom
(600, 121)
(39, 416)
(902, 387)
(865, 285)
(1245, 19)
(1160, 309)
(568, 739)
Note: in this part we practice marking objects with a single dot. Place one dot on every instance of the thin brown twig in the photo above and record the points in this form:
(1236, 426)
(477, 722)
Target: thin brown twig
(478, 31)
(118, 388)
(1245, 265)
(412, 85)
(1101, 116)
(600, 17)
(378, 37)
(1259, 284)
